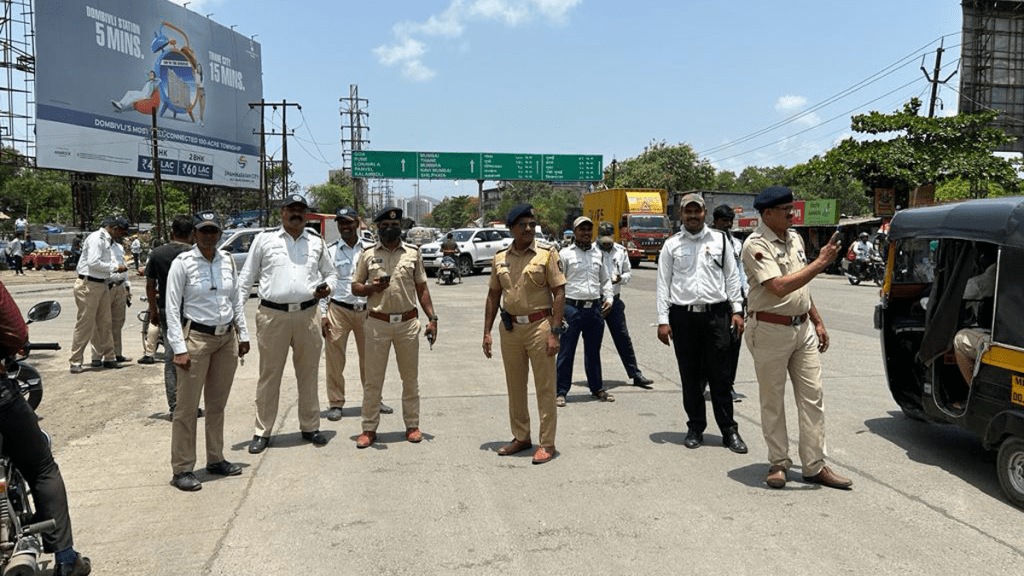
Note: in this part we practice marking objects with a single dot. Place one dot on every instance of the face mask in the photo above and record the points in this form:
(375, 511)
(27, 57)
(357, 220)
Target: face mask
(389, 235)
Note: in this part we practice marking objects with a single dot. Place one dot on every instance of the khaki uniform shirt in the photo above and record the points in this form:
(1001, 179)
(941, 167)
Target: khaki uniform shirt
(405, 267)
(526, 278)
(766, 256)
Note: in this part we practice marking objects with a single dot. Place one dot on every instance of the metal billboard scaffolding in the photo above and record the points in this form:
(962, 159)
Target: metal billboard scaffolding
(17, 94)
(993, 64)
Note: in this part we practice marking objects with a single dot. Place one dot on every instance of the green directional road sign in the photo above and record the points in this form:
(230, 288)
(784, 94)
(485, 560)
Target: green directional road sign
(477, 166)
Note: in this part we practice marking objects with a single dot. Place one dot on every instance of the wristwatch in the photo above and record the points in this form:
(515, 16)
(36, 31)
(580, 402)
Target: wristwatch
(432, 318)
(560, 329)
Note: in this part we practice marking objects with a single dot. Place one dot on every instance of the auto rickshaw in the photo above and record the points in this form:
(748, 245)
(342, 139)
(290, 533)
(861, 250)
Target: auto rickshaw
(935, 255)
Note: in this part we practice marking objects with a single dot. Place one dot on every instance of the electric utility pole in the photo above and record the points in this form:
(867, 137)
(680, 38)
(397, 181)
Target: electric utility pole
(284, 134)
(934, 79)
(355, 108)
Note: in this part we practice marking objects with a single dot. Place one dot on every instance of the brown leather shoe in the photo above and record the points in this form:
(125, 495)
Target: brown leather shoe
(776, 477)
(366, 439)
(829, 478)
(413, 435)
(514, 447)
(543, 454)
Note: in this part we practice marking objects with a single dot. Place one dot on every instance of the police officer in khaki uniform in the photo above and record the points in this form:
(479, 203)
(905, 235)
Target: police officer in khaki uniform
(529, 276)
(781, 339)
(391, 277)
(120, 298)
(294, 271)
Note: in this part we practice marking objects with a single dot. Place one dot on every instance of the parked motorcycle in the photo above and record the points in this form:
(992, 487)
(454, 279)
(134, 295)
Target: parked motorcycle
(30, 384)
(857, 271)
(448, 271)
(20, 546)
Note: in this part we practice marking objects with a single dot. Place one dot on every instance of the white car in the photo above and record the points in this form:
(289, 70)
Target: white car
(477, 247)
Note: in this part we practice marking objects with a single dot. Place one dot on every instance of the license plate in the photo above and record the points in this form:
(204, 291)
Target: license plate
(652, 257)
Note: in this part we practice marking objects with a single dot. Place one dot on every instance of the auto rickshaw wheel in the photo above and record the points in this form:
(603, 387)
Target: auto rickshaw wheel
(1010, 469)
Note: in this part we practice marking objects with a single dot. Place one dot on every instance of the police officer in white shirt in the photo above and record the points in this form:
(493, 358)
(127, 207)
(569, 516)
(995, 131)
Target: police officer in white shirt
(294, 271)
(207, 333)
(616, 261)
(120, 298)
(588, 297)
(344, 313)
(92, 295)
(700, 312)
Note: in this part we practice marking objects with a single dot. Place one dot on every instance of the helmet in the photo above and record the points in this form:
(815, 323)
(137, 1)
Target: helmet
(863, 236)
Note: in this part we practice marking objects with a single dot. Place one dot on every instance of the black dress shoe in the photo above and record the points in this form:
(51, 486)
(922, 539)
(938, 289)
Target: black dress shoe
(316, 438)
(385, 409)
(96, 363)
(111, 364)
(642, 381)
(186, 481)
(693, 439)
(733, 441)
(258, 444)
(80, 567)
(224, 468)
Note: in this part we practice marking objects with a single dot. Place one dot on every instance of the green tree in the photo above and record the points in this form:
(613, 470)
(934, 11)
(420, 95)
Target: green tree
(674, 168)
(329, 197)
(923, 151)
(725, 181)
(455, 212)
(811, 181)
(44, 195)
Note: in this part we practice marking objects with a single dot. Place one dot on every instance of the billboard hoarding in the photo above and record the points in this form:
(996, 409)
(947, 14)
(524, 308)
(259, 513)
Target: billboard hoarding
(104, 66)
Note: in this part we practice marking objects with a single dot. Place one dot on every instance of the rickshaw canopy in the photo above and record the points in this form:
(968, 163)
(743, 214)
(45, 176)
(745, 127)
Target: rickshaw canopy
(995, 220)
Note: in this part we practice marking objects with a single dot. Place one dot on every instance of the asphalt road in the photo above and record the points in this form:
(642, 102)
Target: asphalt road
(622, 497)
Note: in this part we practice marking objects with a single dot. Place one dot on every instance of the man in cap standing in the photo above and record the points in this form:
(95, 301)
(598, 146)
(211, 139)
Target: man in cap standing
(722, 220)
(528, 277)
(782, 341)
(294, 271)
(344, 313)
(700, 310)
(391, 277)
(616, 262)
(92, 294)
(588, 297)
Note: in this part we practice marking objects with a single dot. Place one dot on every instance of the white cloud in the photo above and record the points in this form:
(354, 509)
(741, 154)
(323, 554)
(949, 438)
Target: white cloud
(793, 105)
(408, 49)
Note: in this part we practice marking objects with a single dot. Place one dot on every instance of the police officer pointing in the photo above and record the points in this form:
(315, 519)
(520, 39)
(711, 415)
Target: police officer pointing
(528, 277)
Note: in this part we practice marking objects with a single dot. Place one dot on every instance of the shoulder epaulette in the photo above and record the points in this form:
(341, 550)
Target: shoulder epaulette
(545, 245)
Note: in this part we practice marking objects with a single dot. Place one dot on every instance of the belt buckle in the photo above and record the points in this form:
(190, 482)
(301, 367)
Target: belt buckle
(221, 330)
(588, 304)
(522, 319)
(359, 307)
(795, 321)
(295, 307)
(698, 308)
(394, 318)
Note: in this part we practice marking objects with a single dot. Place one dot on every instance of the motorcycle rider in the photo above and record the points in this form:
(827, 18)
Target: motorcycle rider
(450, 249)
(864, 251)
(29, 450)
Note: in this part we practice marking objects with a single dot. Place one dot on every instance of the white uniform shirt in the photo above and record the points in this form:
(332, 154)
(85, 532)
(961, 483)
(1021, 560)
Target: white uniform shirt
(585, 275)
(696, 269)
(344, 258)
(288, 269)
(97, 259)
(136, 246)
(117, 251)
(616, 262)
(863, 249)
(204, 292)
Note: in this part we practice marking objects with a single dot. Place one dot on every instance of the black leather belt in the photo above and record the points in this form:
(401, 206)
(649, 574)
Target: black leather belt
(583, 303)
(346, 305)
(289, 307)
(211, 330)
(91, 279)
(704, 308)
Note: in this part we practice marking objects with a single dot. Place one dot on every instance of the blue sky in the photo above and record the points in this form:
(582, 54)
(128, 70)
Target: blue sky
(591, 76)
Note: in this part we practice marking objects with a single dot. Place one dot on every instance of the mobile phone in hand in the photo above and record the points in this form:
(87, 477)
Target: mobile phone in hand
(837, 236)
(385, 279)
(322, 286)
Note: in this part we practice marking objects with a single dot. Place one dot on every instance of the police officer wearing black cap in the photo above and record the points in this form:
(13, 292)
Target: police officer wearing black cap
(92, 293)
(294, 271)
(392, 278)
(528, 278)
(207, 333)
(782, 341)
(344, 313)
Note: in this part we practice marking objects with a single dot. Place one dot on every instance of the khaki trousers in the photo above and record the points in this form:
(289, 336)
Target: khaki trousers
(527, 345)
(778, 351)
(152, 339)
(380, 336)
(118, 309)
(93, 321)
(214, 360)
(277, 331)
(342, 323)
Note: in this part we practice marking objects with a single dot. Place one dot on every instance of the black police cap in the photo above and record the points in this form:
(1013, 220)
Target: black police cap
(724, 211)
(517, 212)
(389, 213)
(346, 213)
(773, 196)
(294, 199)
(206, 219)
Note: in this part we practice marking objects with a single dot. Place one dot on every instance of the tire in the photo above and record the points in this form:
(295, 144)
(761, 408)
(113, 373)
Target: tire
(914, 413)
(634, 263)
(465, 265)
(853, 279)
(1010, 469)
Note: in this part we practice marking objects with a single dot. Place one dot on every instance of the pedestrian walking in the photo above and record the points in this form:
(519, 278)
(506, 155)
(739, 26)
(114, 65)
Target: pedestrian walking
(391, 277)
(782, 341)
(616, 263)
(294, 271)
(527, 277)
(136, 248)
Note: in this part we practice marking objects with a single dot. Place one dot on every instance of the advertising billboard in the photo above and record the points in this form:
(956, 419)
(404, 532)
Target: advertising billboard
(103, 67)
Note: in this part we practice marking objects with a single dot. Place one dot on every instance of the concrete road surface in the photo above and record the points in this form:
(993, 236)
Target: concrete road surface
(622, 497)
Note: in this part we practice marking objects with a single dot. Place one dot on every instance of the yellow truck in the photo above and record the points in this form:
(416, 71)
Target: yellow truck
(638, 215)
